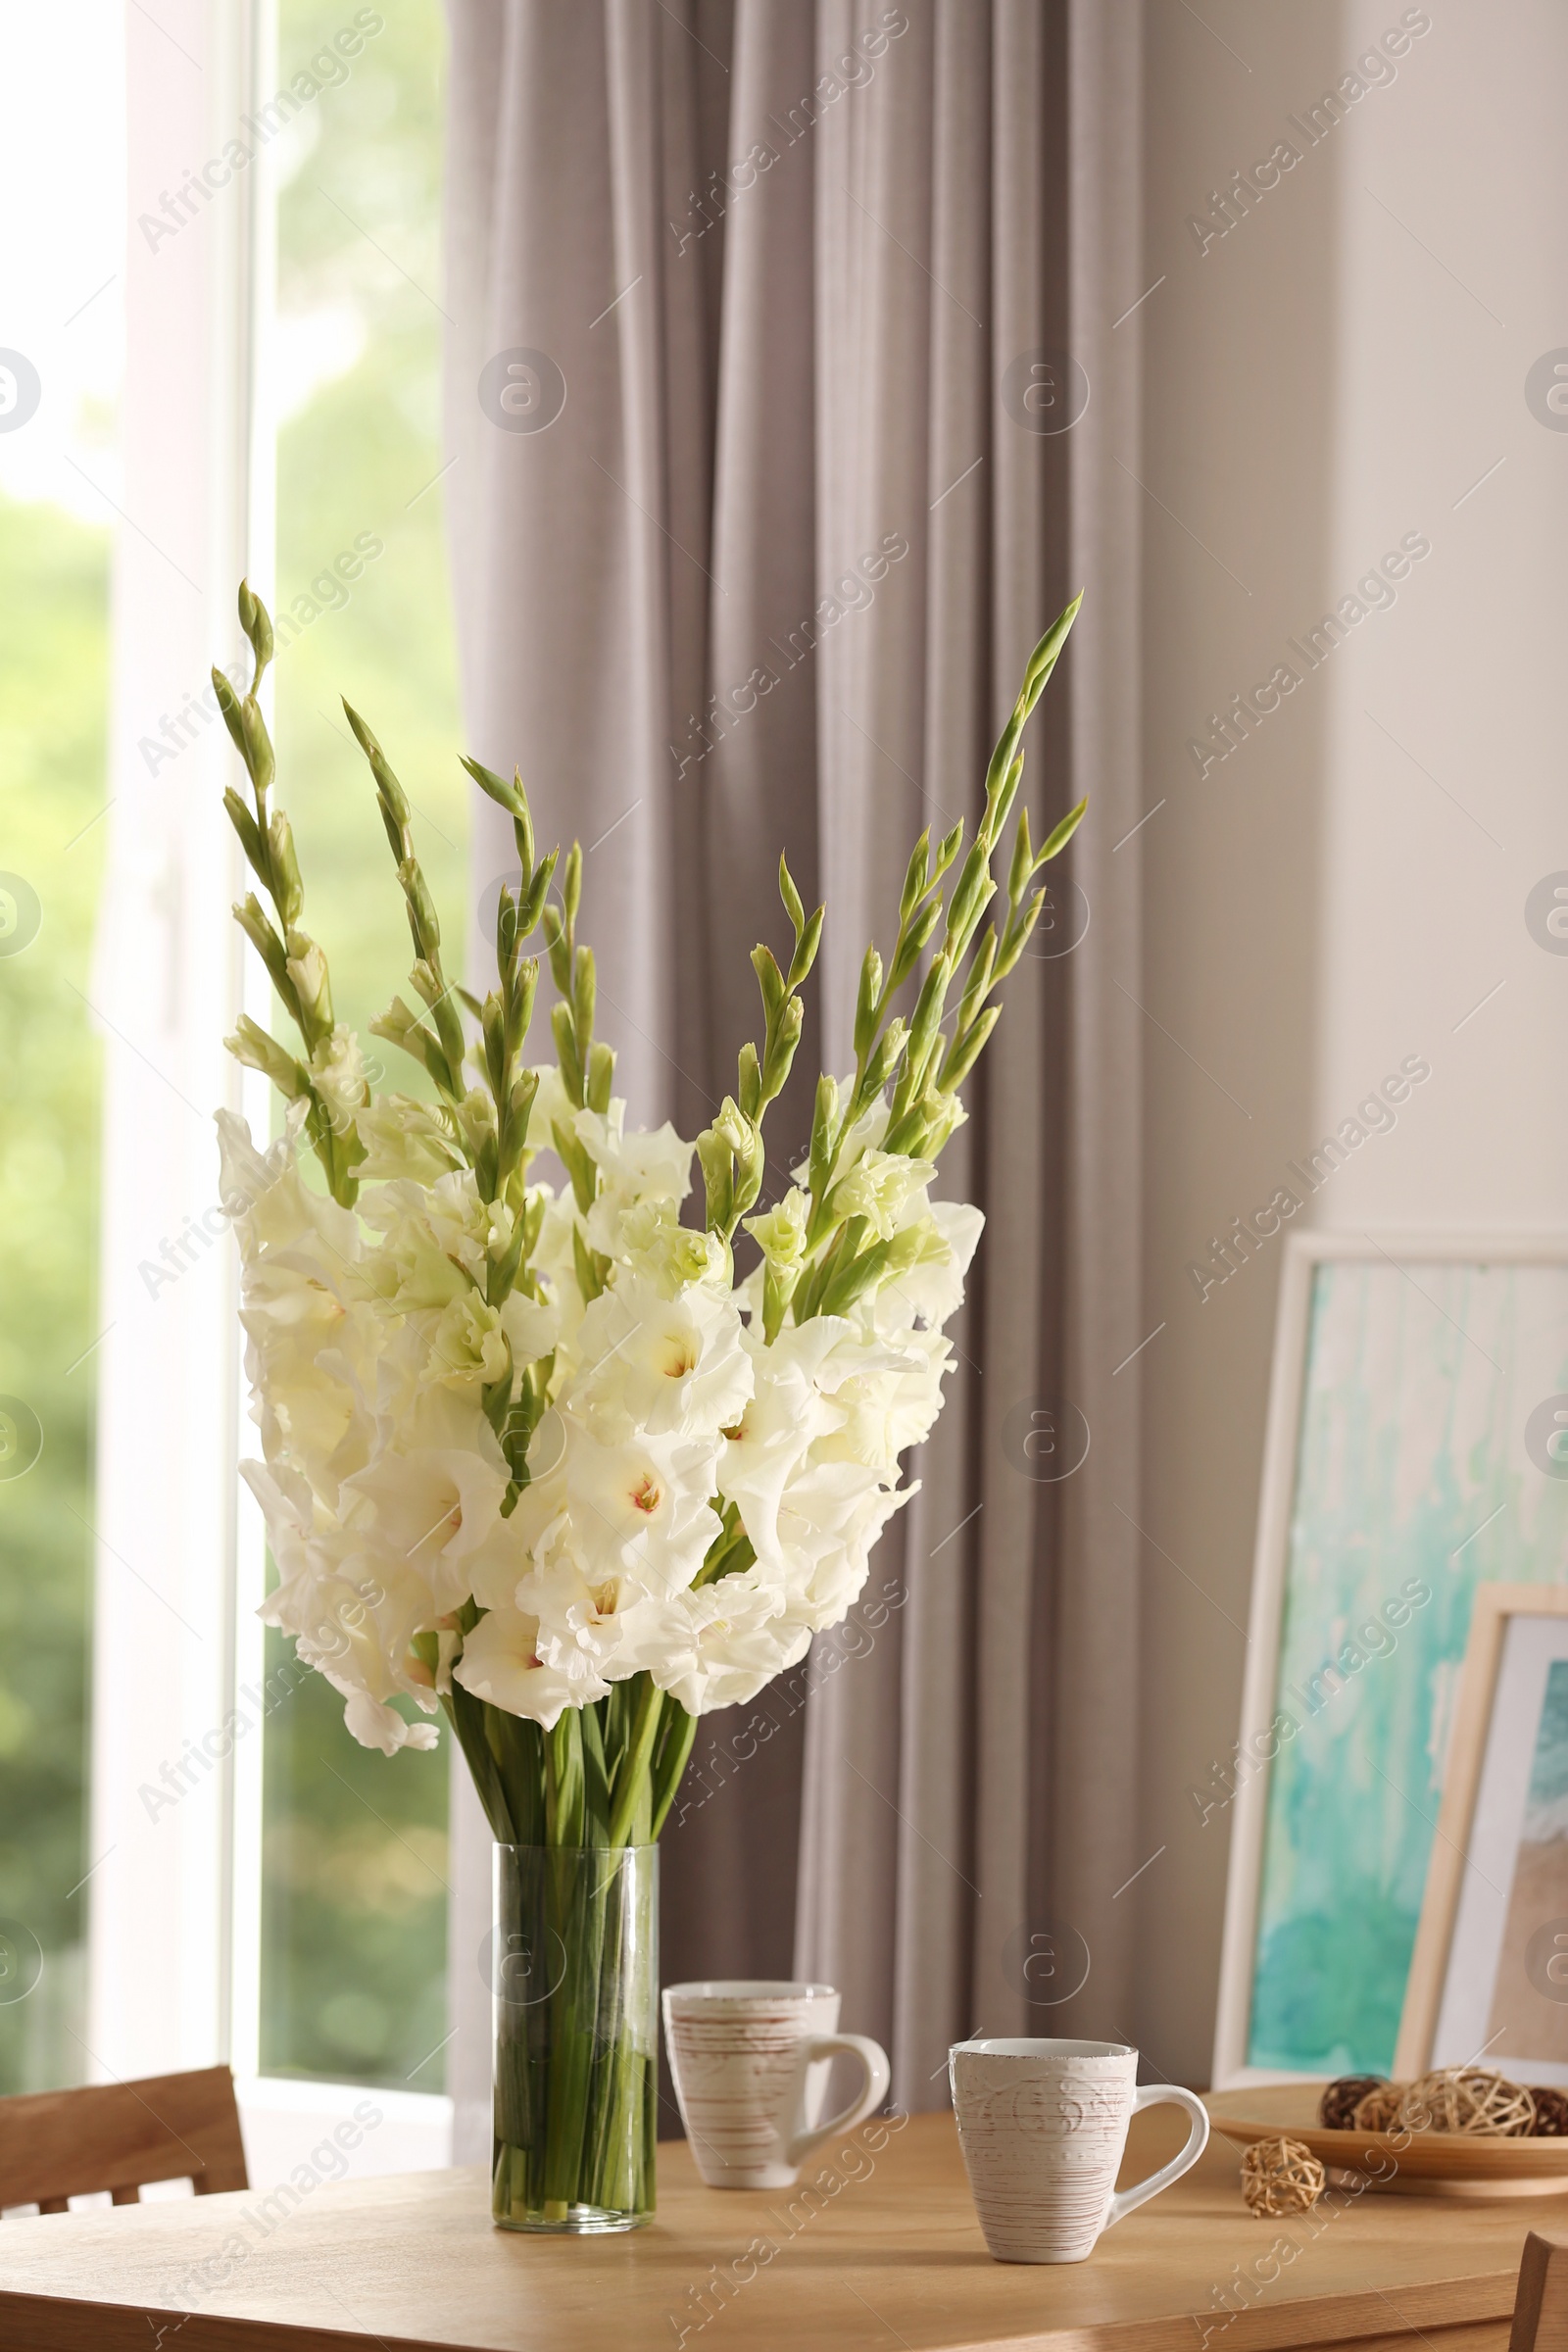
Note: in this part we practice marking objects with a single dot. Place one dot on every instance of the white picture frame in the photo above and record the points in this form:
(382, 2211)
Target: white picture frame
(1477, 1909)
(1305, 1254)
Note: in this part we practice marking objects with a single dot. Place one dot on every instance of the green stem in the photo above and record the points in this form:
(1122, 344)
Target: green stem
(579, 1908)
(632, 1776)
(680, 1731)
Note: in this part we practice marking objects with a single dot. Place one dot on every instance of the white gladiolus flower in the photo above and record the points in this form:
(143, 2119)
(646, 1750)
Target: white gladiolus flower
(403, 1138)
(885, 1398)
(468, 1229)
(307, 1357)
(555, 1259)
(355, 1619)
(875, 1390)
(654, 1243)
(719, 1648)
(270, 1204)
(244, 1171)
(879, 1188)
(311, 1353)
(553, 1107)
(780, 1234)
(289, 1506)
(831, 1516)
(412, 1269)
(674, 1367)
(633, 1168)
(308, 971)
(931, 1290)
(433, 1495)
(581, 1625)
(468, 1343)
(438, 1232)
(501, 1663)
(376, 1726)
(865, 1136)
(765, 1447)
(337, 1067)
(532, 1327)
(352, 1612)
(641, 1507)
(476, 1118)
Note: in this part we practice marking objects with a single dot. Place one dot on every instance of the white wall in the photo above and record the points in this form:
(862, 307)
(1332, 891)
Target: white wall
(1336, 371)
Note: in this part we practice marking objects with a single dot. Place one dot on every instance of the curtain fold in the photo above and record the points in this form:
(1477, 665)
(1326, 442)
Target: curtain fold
(764, 577)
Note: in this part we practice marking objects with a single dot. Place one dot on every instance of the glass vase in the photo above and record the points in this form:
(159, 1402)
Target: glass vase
(575, 1983)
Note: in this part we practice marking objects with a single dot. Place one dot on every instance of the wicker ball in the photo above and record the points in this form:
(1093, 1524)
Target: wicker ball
(1281, 2176)
(1552, 2113)
(1337, 2112)
(1379, 2108)
(1470, 2099)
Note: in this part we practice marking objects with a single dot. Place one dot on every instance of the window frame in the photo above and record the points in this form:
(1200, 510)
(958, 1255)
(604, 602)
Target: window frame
(174, 1891)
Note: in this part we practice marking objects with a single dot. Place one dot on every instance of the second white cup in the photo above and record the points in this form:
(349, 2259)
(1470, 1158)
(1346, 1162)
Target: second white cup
(1042, 2126)
(751, 2060)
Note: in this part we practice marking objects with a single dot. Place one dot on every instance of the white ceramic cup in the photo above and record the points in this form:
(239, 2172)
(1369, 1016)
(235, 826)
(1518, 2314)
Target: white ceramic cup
(1042, 2126)
(750, 2062)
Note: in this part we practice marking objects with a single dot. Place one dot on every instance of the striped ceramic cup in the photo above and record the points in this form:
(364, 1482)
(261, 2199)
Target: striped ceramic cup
(1042, 2126)
(750, 2062)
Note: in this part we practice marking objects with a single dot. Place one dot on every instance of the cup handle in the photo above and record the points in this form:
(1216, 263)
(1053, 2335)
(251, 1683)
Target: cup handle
(803, 2139)
(1153, 2094)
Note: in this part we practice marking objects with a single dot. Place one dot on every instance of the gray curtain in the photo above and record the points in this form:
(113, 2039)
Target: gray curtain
(760, 313)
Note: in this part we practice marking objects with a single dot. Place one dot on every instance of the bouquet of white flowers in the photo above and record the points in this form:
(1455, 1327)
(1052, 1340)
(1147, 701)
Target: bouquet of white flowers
(540, 1455)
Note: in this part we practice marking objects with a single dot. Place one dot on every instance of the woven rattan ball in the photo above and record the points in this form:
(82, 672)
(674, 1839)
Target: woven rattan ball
(1341, 2098)
(1471, 2099)
(1552, 2113)
(1281, 2176)
(1379, 2109)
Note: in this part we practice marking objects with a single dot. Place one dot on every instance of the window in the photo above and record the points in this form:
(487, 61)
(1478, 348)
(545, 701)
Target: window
(258, 1888)
(353, 1969)
(57, 477)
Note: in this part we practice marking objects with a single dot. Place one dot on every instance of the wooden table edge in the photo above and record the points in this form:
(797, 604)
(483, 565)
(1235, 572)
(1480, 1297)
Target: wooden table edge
(70, 2323)
(1368, 2316)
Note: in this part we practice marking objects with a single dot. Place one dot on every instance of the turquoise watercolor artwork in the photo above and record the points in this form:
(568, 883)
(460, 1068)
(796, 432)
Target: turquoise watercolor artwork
(1545, 1819)
(1419, 1475)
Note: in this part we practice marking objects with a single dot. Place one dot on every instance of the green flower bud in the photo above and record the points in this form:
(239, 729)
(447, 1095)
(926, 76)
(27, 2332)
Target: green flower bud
(257, 746)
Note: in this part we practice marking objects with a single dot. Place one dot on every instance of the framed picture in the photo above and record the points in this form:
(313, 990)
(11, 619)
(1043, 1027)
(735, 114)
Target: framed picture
(1417, 1449)
(1490, 1969)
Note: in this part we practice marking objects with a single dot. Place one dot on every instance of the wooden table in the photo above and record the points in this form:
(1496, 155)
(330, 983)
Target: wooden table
(878, 2248)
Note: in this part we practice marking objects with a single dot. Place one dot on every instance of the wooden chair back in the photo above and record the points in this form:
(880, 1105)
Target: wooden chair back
(1540, 2306)
(55, 2144)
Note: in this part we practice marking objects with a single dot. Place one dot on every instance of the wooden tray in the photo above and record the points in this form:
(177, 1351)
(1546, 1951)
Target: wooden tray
(1424, 2164)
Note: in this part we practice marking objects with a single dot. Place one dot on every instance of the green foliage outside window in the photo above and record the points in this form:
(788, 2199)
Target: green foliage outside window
(354, 1927)
(54, 660)
(353, 1847)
